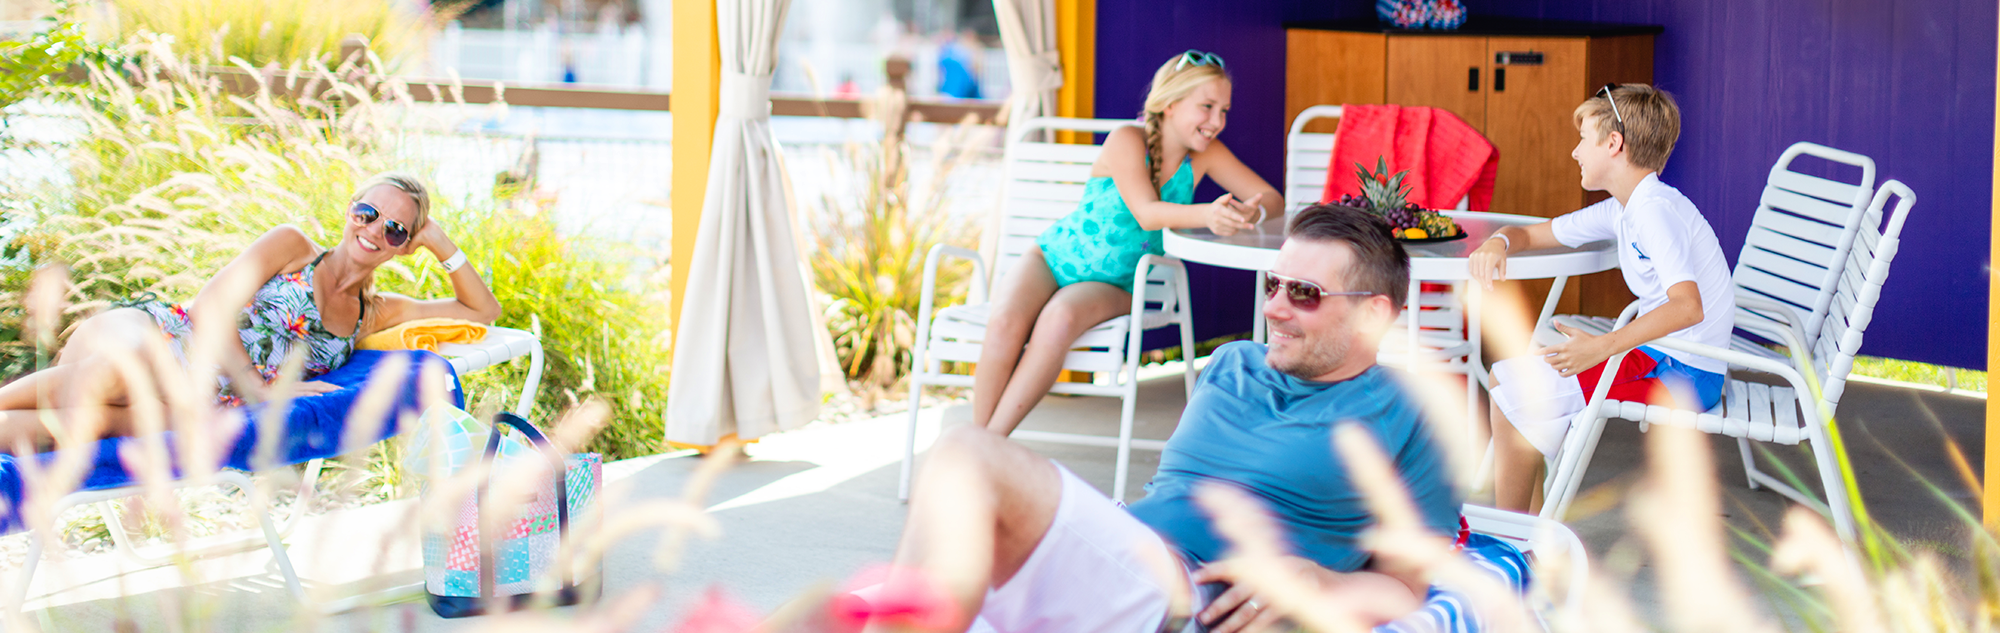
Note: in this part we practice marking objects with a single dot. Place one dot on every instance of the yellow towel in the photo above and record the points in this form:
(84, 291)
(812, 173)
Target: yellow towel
(425, 334)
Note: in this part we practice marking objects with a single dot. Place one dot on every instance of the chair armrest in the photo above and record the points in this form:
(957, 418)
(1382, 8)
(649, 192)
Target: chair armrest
(937, 254)
(1604, 378)
(1793, 335)
(1789, 372)
(1759, 363)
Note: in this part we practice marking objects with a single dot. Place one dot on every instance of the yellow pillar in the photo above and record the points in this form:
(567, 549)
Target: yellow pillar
(1991, 502)
(1076, 45)
(696, 98)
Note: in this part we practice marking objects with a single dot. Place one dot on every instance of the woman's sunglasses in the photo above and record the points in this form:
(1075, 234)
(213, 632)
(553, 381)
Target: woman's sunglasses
(1304, 295)
(1199, 58)
(365, 214)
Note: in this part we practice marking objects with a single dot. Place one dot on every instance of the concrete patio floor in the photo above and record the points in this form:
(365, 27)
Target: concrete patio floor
(816, 505)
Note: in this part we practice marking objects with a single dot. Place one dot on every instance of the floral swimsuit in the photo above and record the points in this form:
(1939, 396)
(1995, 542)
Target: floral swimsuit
(280, 318)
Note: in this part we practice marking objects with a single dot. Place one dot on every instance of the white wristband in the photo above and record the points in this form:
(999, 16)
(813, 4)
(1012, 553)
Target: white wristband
(1505, 244)
(456, 261)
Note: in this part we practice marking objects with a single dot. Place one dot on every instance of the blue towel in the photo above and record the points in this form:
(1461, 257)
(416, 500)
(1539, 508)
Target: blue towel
(313, 429)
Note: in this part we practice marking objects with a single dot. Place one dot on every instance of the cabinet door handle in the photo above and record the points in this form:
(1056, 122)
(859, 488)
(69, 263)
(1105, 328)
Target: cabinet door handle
(1472, 79)
(1499, 80)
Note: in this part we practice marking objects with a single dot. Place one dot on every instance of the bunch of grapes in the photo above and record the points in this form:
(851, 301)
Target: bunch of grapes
(1408, 216)
(1405, 217)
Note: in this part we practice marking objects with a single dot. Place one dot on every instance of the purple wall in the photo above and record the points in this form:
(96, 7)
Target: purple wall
(1135, 36)
(1909, 83)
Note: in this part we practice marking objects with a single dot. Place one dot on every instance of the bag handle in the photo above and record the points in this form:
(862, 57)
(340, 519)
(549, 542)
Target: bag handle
(487, 565)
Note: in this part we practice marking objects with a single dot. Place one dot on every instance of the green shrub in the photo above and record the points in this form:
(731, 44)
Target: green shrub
(31, 64)
(269, 31)
(604, 331)
(872, 245)
(171, 179)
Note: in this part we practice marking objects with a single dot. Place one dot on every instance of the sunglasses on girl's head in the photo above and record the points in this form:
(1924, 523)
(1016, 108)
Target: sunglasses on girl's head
(365, 214)
(1199, 58)
(1303, 294)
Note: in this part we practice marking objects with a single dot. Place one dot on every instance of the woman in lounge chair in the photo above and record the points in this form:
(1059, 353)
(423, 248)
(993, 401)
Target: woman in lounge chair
(285, 295)
(1079, 273)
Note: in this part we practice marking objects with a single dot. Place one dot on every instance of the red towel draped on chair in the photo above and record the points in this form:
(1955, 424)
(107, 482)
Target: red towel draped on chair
(1446, 158)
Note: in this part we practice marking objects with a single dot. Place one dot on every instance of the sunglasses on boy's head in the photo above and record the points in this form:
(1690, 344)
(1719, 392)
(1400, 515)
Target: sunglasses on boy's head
(1303, 294)
(1199, 58)
(365, 214)
(1606, 91)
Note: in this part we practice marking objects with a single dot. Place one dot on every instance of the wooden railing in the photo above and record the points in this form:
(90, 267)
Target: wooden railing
(240, 81)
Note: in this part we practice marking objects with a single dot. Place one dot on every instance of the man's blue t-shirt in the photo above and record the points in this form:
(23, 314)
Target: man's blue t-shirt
(1271, 435)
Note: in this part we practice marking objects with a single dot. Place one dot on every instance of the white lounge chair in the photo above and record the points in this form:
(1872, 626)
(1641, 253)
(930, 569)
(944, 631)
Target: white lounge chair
(1801, 409)
(500, 345)
(1044, 181)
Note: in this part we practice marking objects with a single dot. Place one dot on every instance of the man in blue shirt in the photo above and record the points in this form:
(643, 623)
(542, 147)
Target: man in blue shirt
(1018, 543)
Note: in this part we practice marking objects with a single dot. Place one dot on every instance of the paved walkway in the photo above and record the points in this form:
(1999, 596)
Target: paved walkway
(816, 505)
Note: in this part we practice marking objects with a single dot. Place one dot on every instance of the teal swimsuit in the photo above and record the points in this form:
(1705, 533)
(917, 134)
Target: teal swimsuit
(1100, 240)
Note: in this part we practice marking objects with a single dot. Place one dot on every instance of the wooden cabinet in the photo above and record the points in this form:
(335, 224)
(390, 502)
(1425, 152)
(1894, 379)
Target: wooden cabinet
(1517, 82)
(1441, 71)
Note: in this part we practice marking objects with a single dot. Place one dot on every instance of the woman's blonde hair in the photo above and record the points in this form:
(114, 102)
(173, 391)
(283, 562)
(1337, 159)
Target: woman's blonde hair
(410, 185)
(1171, 83)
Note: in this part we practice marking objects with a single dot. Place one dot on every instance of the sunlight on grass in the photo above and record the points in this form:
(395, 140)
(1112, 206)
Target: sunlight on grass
(1920, 373)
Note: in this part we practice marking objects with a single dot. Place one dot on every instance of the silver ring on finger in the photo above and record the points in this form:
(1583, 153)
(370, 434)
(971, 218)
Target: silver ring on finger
(1252, 603)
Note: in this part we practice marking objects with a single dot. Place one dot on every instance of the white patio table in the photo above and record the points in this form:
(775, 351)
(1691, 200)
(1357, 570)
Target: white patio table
(1434, 262)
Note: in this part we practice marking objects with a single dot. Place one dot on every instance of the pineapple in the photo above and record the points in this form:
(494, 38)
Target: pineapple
(1382, 191)
(1437, 225)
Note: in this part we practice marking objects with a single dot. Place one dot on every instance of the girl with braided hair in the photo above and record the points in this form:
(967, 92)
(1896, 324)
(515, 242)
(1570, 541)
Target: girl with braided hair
(1080, 272)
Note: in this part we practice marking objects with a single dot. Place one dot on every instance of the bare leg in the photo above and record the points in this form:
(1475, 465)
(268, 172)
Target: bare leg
(979, 509)
(84, 378)
(1072, 311)
(1016, 303)
(1517, 465)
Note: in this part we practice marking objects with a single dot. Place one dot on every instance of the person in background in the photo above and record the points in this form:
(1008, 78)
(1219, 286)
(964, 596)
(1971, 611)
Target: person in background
(958, 75)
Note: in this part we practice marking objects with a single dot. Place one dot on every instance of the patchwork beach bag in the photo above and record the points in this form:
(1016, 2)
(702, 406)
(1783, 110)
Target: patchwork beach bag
(467, 572)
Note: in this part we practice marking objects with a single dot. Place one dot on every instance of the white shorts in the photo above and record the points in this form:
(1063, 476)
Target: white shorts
(1097, 569)
(1537, 399)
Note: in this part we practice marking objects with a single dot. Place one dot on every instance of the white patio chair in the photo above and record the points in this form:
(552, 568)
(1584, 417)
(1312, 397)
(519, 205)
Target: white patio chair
(500, 345)
(1044, 181)
(1791, 263)
(1793, 256)
(1800, 409)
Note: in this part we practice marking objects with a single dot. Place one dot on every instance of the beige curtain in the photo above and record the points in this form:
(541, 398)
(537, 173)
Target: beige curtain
(1028, 32)
(744, 359)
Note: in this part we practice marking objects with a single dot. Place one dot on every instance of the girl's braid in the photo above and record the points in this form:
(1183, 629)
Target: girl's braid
(1153, 150)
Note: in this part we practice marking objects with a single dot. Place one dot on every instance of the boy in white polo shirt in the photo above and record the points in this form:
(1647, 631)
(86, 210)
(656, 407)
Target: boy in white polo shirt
(1670, 259)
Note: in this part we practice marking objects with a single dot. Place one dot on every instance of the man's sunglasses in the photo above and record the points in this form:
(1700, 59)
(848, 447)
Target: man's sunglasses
(1199, 58)
(1606, 91)
(1304, 295)
(365, 214)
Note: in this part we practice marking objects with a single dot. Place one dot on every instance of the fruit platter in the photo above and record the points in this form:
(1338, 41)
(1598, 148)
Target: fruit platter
(1386, 196)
